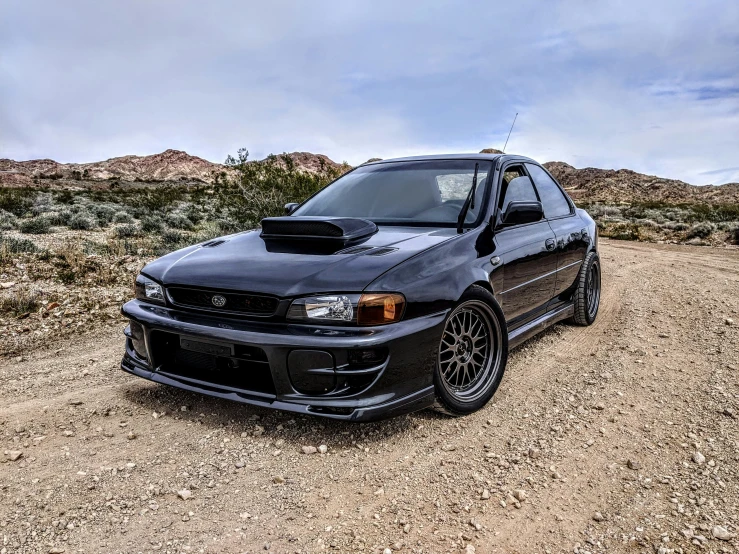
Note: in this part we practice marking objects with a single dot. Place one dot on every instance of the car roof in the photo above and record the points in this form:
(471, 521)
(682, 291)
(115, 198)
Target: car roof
(487, 157)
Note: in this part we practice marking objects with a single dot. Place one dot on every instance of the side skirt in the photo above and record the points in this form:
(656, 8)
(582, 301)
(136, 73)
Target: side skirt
(533, 327)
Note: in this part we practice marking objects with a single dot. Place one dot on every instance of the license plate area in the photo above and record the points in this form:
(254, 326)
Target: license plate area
(223, 349)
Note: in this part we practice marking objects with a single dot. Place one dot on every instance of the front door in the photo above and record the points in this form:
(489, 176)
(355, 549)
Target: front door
(527, 253)
(569, 230)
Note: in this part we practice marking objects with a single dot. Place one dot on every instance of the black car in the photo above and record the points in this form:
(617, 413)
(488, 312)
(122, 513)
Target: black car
(401, 285)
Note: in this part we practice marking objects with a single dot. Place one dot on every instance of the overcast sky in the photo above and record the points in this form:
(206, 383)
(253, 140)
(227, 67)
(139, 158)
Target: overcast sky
(650, 85)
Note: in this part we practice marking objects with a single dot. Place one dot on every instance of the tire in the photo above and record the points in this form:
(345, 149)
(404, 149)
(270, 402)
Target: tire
(472, 354)
(587, 294)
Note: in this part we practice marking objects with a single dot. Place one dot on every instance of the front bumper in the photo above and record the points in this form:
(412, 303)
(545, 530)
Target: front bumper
(401, 382)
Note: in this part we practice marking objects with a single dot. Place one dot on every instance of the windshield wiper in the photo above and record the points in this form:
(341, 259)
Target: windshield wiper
(469, 202)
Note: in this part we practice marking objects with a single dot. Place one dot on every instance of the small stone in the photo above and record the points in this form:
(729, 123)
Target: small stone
(184, 494)
(239, 464)
(387, 551)
(131, 435)
(485, 494)
(597, 516)
(68, 433)
(309, 450)
(407, 528)
(258, 430)
(698, 458)
(729, 412)
(600, 406)
(323, 449)
(13, 455)
(56, 550)
(533, 453)
(278, 479)
(75, 402)
(633, 464)
(519, 494)
(722, 533)
(380, 492)
(729, 321)
(469, 549)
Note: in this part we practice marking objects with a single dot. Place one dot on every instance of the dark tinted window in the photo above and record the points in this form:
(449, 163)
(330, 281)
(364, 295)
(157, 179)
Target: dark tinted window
(407, 193)
(516, 187)
(552, 199)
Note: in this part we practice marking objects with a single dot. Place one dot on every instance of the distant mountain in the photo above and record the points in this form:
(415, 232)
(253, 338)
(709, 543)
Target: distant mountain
(623, 185)
(174, 166)
(170, 166)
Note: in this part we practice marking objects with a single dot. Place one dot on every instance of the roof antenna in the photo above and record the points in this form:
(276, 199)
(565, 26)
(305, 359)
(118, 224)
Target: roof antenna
(509, 132)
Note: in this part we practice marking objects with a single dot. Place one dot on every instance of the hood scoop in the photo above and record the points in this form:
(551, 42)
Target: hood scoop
(334, 230)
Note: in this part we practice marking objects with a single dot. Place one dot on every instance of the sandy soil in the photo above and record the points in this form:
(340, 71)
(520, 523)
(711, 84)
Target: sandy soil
(619, 437)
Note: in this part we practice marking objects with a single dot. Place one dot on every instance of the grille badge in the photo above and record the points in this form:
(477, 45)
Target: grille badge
(218, 301)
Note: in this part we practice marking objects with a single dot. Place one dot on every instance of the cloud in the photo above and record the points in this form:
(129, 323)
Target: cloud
(595, 84)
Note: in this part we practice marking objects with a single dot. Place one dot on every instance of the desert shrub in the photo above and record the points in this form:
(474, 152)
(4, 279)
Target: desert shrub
(161, 199)
(734, 234)
(20, 301)
(228, 226)
(173, 238)
(35, 225)
(262, 189)
(105, 214)
(701, 230)
(82, 221)
(43, 203)
(151, 224)
(126, 231)
(179, 221)
(16, 201)
(122, 217)
(676, 226)
(621, 231)
(10, 247)
(7, 220)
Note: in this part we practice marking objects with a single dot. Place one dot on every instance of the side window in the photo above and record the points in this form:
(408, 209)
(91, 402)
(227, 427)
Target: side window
(552, 199)
(516, 187)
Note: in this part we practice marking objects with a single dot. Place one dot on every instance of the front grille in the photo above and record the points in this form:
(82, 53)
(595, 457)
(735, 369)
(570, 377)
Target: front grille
(248, 304)
(246, 370)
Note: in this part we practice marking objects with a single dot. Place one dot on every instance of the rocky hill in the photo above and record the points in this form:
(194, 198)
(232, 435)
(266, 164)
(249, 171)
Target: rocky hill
(623, 185)
(175, 166)
(170, 166)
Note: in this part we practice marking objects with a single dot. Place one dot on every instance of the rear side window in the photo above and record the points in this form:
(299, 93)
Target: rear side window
(516, 187)
(552, 198)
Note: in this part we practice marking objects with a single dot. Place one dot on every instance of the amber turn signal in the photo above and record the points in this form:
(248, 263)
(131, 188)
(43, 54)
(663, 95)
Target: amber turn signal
(377, 308)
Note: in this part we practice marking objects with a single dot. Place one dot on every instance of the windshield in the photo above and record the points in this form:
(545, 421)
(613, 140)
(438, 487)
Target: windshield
(404, 193)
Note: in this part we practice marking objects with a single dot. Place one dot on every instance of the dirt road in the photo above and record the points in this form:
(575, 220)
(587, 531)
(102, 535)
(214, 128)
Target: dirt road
(619, 437)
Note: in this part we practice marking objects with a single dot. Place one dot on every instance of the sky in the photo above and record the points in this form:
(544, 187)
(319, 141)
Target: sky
(649, 85)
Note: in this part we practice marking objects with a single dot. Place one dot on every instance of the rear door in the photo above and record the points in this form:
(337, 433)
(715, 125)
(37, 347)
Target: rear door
(527, 253)
(569, 230)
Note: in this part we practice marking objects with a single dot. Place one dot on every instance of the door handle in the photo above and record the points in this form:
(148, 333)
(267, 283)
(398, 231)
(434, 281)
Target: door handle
(550, 244)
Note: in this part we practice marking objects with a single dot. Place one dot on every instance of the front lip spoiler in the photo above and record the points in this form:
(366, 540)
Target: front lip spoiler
(416, 401)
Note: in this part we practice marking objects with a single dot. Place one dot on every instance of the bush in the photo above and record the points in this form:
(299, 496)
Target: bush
(735, 234)
(261, 189)
(82, 221)
(151, 225)
(179, 221)
(16, 201)
(20, 301)
(122, 217)
(105, 214)
(7, 221)
(701, 230)
(36, 225)
(126, 231)
(10, 247)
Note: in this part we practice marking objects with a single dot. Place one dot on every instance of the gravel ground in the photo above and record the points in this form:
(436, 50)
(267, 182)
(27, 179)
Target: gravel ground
(619, 437)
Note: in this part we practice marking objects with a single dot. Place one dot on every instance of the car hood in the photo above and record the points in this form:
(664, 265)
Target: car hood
(247, 262)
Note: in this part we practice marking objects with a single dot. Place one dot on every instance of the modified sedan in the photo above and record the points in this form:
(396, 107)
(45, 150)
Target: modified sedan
(402, 285)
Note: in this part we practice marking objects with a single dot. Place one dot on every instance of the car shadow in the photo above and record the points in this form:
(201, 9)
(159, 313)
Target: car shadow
(267, 424)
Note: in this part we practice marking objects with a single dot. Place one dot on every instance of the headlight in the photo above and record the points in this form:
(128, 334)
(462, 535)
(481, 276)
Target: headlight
(364, 309)
(149, 291)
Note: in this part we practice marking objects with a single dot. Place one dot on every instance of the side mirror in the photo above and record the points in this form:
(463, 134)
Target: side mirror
(290, 207)
(518, 213)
